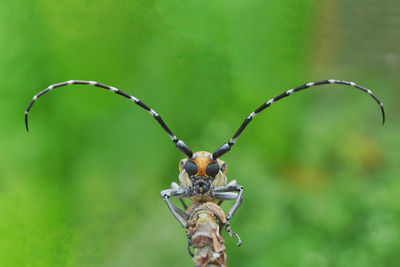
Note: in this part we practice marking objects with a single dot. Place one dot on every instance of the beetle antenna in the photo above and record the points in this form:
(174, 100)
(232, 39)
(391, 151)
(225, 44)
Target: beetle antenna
(227, 146)
(179, 143)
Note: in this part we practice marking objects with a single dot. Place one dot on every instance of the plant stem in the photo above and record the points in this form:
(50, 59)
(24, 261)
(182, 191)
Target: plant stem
(205, 224)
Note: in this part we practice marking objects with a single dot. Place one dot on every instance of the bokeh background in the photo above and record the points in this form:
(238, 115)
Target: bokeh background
(321, 173)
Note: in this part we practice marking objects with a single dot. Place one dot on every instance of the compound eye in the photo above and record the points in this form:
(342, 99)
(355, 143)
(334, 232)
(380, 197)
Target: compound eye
(212, 169)
(191, 168)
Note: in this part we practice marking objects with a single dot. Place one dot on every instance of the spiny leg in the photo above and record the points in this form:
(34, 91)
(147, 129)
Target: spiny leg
(180, 192)
(228, 193)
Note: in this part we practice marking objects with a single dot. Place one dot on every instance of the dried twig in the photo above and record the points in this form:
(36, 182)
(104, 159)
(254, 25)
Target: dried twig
(204, 230)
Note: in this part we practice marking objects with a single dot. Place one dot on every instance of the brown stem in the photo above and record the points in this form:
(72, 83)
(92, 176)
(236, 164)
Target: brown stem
(204, 229)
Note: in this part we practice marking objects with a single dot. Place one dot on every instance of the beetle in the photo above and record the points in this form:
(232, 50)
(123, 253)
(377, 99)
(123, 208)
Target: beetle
(202, 175)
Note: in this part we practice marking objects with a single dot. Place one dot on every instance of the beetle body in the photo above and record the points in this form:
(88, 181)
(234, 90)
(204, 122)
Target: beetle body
(202, 175)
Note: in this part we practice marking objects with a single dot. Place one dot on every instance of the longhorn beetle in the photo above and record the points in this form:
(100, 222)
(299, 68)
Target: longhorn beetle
(202, 175)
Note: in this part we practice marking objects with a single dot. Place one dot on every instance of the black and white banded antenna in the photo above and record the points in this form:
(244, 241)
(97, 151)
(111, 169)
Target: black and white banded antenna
(179, 143)
(227, 146)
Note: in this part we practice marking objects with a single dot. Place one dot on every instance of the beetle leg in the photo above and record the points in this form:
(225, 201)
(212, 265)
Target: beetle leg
(226, 196)
(189, 245)
(183, 214)
(176, 186)
(183, 203)
(228, 193)
(175, 192)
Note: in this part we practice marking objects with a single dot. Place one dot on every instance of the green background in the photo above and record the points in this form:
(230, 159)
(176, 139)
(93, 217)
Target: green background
(321, 175)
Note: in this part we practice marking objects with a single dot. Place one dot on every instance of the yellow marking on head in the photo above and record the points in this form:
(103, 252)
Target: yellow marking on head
(202, 159)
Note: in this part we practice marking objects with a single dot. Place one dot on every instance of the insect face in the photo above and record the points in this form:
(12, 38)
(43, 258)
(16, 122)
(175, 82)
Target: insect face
(201, 172)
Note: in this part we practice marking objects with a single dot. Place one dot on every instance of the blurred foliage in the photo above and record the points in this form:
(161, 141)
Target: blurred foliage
(320, 173)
